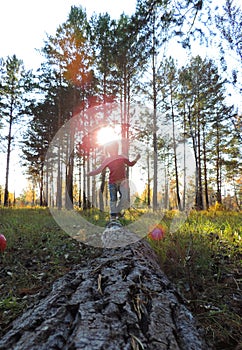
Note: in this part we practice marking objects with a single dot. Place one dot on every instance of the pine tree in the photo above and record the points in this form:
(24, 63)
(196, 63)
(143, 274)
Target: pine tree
(69, 57)
(35, 142)
(202, 91)
(15, 84)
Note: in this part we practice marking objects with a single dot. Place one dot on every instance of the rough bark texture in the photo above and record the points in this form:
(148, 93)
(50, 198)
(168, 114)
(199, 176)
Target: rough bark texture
(121, 300)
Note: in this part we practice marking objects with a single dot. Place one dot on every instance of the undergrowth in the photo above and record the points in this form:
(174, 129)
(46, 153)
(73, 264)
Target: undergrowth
(202, 258)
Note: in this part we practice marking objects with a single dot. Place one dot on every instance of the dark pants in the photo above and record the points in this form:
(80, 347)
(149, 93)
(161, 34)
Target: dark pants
(118, 197)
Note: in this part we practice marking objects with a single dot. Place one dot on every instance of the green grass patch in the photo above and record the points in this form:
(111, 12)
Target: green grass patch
(37, 253)
(202, 258)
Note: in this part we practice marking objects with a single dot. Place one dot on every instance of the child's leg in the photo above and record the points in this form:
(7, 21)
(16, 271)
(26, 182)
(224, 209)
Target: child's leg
(113, 191)
(124, 196)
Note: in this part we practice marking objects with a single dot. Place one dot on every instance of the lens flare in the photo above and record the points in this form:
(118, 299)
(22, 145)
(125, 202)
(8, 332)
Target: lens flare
(107, 134)
(157, 233)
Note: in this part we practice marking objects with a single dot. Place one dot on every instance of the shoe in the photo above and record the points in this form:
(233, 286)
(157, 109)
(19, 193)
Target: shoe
(113, 223)
(120, 215)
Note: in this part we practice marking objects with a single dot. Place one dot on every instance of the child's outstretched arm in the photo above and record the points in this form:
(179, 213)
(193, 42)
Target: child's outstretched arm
(137, 157)
(95, 171)
(132, 163)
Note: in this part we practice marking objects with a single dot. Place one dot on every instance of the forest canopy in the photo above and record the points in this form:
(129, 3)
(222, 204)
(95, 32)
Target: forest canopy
(129, 74)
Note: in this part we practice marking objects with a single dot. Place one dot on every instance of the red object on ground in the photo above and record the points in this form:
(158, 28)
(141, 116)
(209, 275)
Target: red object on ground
(157, 233)
(3, 243)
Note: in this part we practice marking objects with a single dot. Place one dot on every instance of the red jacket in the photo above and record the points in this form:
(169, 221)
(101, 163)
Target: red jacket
(118, 170)
(116, 166)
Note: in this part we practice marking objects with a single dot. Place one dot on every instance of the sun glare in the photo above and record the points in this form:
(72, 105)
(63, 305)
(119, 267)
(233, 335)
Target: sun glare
(107, 134)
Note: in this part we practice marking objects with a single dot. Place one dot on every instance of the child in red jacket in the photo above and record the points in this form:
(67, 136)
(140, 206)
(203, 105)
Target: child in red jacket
(118, 182)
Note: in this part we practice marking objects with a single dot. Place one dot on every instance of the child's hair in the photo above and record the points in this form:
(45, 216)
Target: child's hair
(112, 147)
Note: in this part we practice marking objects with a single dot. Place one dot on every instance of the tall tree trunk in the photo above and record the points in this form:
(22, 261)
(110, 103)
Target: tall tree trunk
(175, 158)
(41, 185)
(6, 191)
(101, 191)
(69, 182)
(199, 203)
(205, 169)
(59, 180)
(195, 150)
(148, 179)
(154, 77)
(59, 168)
(84, 195)
(184, 164)
(218, 167)
(80, 185)
(166, 194)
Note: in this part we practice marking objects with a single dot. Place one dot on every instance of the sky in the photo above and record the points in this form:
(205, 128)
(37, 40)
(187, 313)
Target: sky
(24, 25)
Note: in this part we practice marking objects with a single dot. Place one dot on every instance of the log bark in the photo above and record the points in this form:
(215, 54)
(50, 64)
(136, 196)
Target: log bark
(121, 300)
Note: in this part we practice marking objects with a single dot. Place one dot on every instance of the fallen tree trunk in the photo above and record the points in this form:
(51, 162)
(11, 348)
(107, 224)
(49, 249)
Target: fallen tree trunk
(119, 301)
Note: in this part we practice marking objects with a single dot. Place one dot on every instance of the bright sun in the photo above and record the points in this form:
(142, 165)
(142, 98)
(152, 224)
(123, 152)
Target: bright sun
(107, 134)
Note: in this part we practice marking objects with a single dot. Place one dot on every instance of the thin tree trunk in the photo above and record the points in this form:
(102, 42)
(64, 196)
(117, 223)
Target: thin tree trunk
(218, 168)
(155, 203)
(148, 179)
(205, 169)
(101, 191)
(195, 150)
(199, 203)
(69, 182)
(41, 185)
(59, 181)
(175, 158)
(6, 192)
(184, 164)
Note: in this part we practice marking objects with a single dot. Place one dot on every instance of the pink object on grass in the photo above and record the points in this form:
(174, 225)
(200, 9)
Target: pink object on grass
(3, 243)
(157, 233)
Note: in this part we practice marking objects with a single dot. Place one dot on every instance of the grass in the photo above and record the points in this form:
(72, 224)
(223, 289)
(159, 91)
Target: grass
(37, 253)
(202, 258)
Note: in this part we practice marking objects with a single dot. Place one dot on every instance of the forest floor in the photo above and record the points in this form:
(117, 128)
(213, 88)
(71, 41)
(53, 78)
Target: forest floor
(202, 258)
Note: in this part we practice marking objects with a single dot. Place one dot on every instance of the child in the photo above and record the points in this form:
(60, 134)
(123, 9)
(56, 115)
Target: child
(118, 182)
